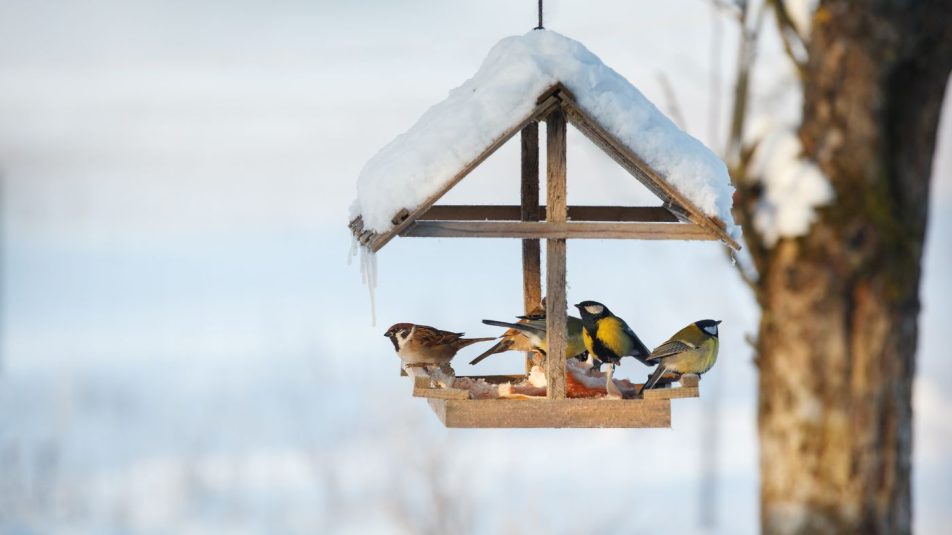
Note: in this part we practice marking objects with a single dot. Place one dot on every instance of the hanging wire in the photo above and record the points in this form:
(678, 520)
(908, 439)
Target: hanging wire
(540, 27)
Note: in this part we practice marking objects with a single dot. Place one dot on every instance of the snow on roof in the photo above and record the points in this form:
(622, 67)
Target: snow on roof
(451, 134)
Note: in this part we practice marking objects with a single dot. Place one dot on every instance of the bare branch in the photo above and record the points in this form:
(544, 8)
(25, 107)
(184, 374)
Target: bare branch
(735, 9)
(793, 42)
(714, 79)
(736, 154)
(747, 53)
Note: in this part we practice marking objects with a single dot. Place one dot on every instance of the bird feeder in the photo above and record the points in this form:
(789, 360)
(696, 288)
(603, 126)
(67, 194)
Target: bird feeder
(678, 217)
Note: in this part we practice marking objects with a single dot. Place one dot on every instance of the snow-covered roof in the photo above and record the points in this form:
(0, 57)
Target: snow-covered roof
(421, 162)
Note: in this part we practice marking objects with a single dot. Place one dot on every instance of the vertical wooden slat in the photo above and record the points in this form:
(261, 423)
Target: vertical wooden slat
(531, 251)
(556, 211)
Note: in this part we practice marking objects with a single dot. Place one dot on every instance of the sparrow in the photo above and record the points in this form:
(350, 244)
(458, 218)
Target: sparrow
(607, 337)
(421, 344)
(693, 349)
(513, 339)
(534, 328)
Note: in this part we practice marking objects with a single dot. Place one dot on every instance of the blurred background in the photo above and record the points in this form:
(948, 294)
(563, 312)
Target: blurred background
(185, 348)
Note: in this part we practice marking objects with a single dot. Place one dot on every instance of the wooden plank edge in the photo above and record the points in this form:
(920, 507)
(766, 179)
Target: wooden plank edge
(441, 393)
(557, 90)
(540, 111)
(588, 126)
(422, 388)
(672, 393)
(547, 230)
(495, 379)
(614, 214)
(439, 408)
(550, 413)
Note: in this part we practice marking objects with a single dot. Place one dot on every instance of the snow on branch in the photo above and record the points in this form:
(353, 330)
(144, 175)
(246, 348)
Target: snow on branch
(793, 187)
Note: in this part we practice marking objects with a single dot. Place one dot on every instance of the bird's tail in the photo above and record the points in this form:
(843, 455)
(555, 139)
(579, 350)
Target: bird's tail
(501, 346)
(522, 327)
(655, 377)
(463, 342)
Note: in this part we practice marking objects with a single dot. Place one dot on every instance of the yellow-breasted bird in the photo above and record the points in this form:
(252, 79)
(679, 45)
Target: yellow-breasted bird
(514, 339)
(534, 328)
(693, 349)
(422, 344)
(607, 337)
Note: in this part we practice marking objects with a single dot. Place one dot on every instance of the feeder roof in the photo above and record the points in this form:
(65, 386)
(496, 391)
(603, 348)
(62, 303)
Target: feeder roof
(422, 161)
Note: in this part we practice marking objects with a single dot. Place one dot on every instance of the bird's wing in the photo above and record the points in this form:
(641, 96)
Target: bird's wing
(433, 336)
(671, 347)
(639, 350)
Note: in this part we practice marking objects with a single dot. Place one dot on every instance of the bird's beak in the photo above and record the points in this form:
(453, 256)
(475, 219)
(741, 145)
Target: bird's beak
(718, 322)
(386, 335)
(578, 305)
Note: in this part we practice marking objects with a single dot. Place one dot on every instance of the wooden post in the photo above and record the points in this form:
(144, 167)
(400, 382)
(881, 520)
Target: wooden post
(556, 212)
(531, 251)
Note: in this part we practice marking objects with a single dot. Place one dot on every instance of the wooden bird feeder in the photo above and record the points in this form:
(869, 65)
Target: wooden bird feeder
(676, 219)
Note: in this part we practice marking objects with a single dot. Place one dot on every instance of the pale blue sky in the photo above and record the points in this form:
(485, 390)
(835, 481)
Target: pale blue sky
(176, 180)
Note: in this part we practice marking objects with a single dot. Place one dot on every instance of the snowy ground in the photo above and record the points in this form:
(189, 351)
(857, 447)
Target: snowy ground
(184, 348)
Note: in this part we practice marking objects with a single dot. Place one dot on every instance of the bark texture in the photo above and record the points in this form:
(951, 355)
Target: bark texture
(839, 330)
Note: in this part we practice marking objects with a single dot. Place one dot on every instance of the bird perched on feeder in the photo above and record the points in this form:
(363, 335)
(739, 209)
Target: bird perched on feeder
(514, 339)
(693, 349)
(607, 337)
(534, 328)
(421, 344)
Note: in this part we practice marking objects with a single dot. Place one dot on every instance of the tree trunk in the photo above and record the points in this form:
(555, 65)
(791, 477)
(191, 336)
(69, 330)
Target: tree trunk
(839, 329)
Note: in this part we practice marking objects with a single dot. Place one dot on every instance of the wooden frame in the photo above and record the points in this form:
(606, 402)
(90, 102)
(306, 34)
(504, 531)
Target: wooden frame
(454, 407)
(477, 212)
(561, 413)
(559, 98)
(557, 213)
(558, 230)
(556, 222)
(529, 210)
(405, 217)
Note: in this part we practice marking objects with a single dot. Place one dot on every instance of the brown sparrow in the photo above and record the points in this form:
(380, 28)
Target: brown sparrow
(420, 344)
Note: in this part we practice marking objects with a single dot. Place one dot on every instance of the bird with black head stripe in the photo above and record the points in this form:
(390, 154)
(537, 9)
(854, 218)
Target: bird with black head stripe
(693, 349)
(607, 337)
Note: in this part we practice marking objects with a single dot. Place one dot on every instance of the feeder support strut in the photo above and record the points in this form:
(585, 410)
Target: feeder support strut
(556, 212)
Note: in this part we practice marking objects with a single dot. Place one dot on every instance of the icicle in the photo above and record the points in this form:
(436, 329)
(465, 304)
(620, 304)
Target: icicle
(368, 272)
(733, 258)
(353, 249)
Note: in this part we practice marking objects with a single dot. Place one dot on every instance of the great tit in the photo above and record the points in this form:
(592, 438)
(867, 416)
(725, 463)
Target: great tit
(693, 349)
(534, 328)
(421, 344)
(607, 337)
